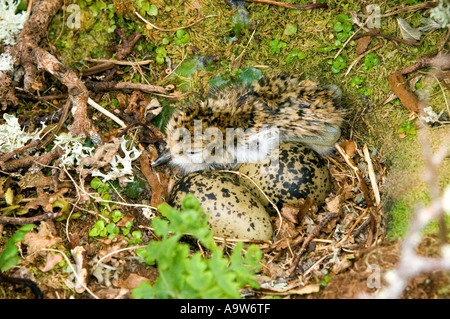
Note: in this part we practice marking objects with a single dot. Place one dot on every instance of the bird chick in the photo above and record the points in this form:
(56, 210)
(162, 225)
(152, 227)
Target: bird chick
(240, 124)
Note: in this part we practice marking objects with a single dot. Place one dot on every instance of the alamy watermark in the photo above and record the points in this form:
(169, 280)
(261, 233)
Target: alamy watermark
(374, 279)
(74, 19)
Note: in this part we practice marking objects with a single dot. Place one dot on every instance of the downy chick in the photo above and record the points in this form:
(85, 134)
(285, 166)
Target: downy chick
(240, 124)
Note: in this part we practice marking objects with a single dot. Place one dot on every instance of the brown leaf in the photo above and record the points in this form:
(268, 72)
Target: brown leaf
(131, 282)
(51, 261)
(42, 239)
(362, 45)
(349, 147)
(290, 212)
(158, 183)
(308, 205)
(123, 221)
(334, 205)
(400, 88)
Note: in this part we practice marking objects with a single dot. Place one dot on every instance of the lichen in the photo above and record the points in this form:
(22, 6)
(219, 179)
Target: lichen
(10, 22)
(12, 136)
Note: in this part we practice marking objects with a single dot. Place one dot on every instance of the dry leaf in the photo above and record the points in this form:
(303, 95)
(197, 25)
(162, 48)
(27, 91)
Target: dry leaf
(131, 282)
(334, 205)
(362, 45)
(290, 212)
(408, 32)
(51, 261)
(43, 239)
(349, 148)
(123, 221)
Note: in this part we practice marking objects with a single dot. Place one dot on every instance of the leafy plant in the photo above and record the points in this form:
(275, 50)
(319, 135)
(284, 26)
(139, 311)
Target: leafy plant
(407, 128)
(161, 53)
(146, 7)
(110, 229)
(295, 54)
(182, 275)
(10, 253)
(370, 61)
(181, 37)
(324, 282)
(338, 64)
(276, 45)
(343, 28)
(248, 74)
(356, 82)
(240, 23)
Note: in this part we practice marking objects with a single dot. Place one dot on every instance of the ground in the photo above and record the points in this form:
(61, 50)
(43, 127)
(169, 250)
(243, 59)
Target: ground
(197, 45)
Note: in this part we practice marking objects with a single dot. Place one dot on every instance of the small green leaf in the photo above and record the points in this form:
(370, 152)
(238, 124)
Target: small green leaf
(152, 10)
(96, 183)
(248, 75)
(290, 29)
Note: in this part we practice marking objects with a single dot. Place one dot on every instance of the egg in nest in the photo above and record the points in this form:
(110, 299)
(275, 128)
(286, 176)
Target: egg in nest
(234, 211)
(291, 172)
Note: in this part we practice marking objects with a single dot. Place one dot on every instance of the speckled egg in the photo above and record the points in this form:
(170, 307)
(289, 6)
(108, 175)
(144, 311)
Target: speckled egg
(297, 172)
(234, 212)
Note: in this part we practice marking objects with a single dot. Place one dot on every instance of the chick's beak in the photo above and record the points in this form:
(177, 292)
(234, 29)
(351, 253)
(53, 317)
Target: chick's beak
(162, 159)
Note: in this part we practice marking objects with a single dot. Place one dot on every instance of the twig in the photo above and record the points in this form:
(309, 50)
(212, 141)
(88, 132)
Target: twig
(28, 220)
(106, 112)
(426, 5)
(346, 42)
(308, 239)
(443, 93)
(77, 277)
(361, 56)
(119, 62)
(115, 252)
(174, 29)
(355, 168)
(291, 6)
(377, 34)
(61, 121)
(110, 86)
(372, 177)
(19, 150)
(27, 161)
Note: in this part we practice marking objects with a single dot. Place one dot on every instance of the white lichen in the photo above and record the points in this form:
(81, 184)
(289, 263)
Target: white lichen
(12, 136)
(120, 167)
(431, 116)
(74, 150)
(6, 62)
(10, 23)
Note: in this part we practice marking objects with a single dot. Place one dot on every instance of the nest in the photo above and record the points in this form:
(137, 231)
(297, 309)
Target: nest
(313, 242)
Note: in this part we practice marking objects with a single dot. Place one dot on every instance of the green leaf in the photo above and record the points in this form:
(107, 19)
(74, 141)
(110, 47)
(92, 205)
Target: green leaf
(161, 120)
(338, 27)
(152, 10)
(135, 188)
(217, 82)
(248, 75)
(276, 45)
(290, 29)
(9, 256)
(143, 291)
